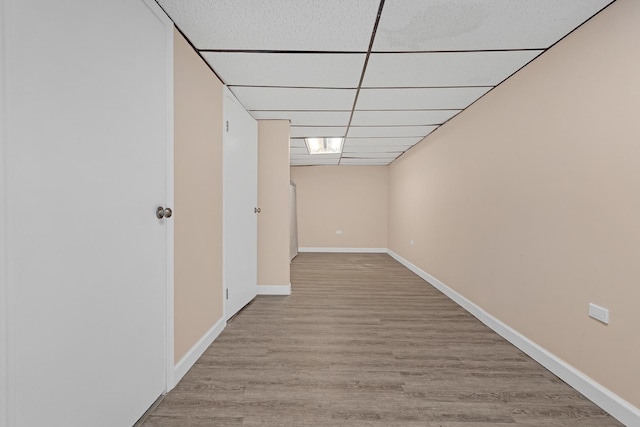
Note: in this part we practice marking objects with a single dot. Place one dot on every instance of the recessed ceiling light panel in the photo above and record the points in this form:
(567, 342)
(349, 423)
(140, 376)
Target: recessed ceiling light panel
(324, 145)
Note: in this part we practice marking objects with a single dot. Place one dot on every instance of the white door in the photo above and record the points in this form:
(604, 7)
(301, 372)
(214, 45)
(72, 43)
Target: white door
(87, 116)
(240, 156)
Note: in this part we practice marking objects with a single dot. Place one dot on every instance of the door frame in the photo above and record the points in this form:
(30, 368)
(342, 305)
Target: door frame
(4, 304)
(169, 200)
(169, 374)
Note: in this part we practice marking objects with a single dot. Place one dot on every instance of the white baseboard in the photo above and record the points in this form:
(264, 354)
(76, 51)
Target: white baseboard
(192, 356)
(346, 250)
(619, 408)
(274, 289)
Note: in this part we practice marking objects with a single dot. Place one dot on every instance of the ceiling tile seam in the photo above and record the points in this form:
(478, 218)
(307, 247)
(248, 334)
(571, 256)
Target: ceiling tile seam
(363, 110)
(365, 126)
(409, 136)
(364, 66)
(428, 87)
(195, 49)
(524, 49)
(363, 87)
(296, 87)
(411, 109)
(529, 62)
(543, 51)
(492, 88)
(395, 126)
(295, 52)
(379, 137)
(572, 31)
(303, 111)
(358, 52)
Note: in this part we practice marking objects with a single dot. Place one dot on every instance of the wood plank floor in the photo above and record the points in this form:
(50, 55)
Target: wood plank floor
(362, 341)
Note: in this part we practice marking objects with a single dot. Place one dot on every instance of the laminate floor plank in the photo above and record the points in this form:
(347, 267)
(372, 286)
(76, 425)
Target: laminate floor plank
(362, 341)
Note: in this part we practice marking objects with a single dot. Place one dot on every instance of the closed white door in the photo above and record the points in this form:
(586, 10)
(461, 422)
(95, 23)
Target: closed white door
(87, 118)
(240, 171)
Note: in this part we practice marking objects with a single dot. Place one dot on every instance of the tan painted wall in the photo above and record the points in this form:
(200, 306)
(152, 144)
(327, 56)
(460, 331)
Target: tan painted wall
(198, 197)
(273, 200)
(353, 199)
(528, 203)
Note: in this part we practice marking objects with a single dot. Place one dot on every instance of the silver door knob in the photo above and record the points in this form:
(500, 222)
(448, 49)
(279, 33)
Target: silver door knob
(163, 212)
(257, 210)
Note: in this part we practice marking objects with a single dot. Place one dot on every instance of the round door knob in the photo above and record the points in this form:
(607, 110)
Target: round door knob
(168, 212)
(160, 212)
(257, 210)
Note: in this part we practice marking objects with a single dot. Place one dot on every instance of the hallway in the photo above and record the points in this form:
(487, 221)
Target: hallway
(362, 341)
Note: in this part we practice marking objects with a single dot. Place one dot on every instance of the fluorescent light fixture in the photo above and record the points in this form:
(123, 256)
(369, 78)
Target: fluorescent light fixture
(324, 145)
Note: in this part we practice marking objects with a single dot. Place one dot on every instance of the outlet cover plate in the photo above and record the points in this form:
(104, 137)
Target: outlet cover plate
(601, 314)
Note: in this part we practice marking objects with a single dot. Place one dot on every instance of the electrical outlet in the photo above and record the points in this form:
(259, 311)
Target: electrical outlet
(338, 231)
(411, 242)
(601, 314)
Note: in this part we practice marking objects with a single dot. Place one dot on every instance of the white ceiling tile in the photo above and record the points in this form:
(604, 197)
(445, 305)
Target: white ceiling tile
(315, 156)
(380, 149)
(380, 142)
(297, 143)
(306, 118)
(370, 155)
(366, 162)
(308, 131)
(390, 131)
(331, 163)
(275, 24)
(271, 98)
(298, 151)
(402, 118)
(315, 160)
(411, 25)
(444, 69)
(287, 69)
(421, 98)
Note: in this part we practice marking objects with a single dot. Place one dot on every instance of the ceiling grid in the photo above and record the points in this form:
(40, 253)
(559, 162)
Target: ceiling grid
(381, 74)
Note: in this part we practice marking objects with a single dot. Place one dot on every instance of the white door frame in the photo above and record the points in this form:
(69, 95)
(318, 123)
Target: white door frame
(4, 305)
(4, 270)
(169, 318)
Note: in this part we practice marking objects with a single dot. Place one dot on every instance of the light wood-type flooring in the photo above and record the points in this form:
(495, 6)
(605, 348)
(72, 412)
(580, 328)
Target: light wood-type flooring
(362, 341)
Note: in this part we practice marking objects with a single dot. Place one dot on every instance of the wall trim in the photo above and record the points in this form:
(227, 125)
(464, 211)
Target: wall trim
(345, 250)
(274, 289)
(5, 391)
(159, 13)
(619, 408)
(198, 349)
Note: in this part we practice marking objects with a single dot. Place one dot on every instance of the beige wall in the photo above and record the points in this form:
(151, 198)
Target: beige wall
(273, 200)
(528, 203)
(198, 197)
(353, 199)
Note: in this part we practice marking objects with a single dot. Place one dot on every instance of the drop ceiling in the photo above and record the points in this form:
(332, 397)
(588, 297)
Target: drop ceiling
(381, 74)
